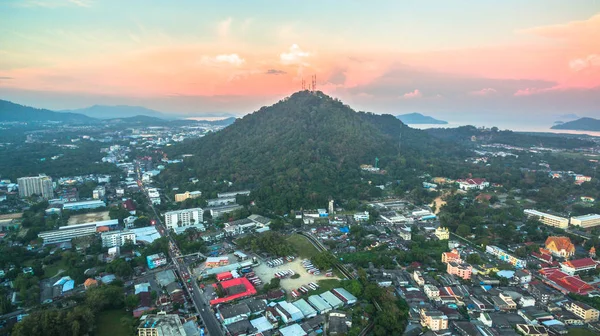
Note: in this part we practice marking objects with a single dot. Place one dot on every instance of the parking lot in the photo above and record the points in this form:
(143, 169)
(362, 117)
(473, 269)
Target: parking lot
(266, 273)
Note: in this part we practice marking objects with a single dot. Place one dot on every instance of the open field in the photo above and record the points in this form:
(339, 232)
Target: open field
(11, 216)
(266, 273)
(53, 269)
(109, 323)
(88, 217)
(580, 332)
(304, 248)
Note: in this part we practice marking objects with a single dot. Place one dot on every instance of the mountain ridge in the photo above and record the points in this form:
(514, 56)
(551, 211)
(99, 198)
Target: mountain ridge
(10, 111)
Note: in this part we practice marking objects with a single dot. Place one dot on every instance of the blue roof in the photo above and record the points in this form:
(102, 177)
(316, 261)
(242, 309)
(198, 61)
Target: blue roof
(344, 229)
(506, 274)
(69, 285)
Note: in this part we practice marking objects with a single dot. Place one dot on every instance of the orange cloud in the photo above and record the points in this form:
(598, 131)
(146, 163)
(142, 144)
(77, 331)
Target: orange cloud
(414, 94)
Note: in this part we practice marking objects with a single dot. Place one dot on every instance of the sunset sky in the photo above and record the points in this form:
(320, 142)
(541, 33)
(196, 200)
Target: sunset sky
(457, 60)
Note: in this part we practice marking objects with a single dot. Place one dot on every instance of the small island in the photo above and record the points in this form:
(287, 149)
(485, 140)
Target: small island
(582, 124)
(418, 118)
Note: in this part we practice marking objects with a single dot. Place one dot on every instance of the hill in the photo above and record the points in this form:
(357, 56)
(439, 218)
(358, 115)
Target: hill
(10, 111)
(418, 118)
(118, 111)
(302, 151)
(465, 135)
(582, 124)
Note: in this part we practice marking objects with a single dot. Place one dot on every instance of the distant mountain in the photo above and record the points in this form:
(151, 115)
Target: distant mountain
(418, 118)
(10, 111)
(118, 111)
(471, 134)
(220, 122)
(582, 124)
(304, 150)
(568, 116)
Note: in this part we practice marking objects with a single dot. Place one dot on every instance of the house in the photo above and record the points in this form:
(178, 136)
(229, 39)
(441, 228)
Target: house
(585, 312)
(560, 246)
(463, 271)
(432, 292)
(542, 293)
(89, 283)
(472, 184)
(435, 320)
(522, 276)
(233, 313)
(532, 330)
(452, 256)
(418, 278)
(578, 265)
(526, 301)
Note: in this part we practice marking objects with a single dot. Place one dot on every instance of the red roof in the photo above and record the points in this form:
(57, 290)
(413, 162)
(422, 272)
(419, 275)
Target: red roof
(580, 263)
(565, 282)
(472, 181)
(224, 276)
(543, 257)
(129, 205)
(231, 283)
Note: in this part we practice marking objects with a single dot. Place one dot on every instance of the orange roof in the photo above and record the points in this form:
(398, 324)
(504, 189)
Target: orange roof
(102, 229)
(561, 243)
(593, 250)
(90, 282)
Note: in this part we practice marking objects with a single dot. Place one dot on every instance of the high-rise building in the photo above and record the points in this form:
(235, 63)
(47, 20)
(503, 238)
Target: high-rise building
(36, 185)
(185, 217)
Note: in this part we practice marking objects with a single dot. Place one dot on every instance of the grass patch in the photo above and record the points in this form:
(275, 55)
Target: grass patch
(304, 248)
(52, 269)
(109, 323)
(326, 285)
(580, 332)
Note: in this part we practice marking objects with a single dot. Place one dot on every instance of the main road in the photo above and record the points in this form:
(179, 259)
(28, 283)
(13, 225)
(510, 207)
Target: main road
(213, 327)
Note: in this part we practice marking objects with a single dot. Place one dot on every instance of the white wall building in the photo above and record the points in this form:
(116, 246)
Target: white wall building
(185, 217)
(36, 185)
(117, 238)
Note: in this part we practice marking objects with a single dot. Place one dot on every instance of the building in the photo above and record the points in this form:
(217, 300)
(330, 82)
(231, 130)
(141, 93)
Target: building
(361, 216)
(587, 313)
(472, 184)
(187, 195)
(586, 221)
(319, 304)
(161, 324)
(566, 283)
(435, 320)
(582, 178)
(216, 261)
(560, 246)
(572, 267)
(185, 217)
(547, 219)
(36, 185)
(214, 202)
(307, 310)
(234, 193)
(219, 211)
(332, 300)
(67, 233)
(117, 238)
(234, 289)
(344, 295)
(156, 260)
(432, 292)
(452, 256)
(233, 313)
(463, 271)
(504, 256)
(442, 233)
(84, 205)
(288, 312)
(532, 330)
(99, 192)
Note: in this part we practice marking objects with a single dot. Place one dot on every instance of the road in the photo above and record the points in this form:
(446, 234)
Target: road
(212, 326)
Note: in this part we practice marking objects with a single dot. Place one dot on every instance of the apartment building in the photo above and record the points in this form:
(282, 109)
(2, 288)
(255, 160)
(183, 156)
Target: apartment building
(452, 256)
(36, 185)
(185, 217)
(432, 292)
(547, 219)
(583, 311)
(442, 233)
(435, 320)
(463, 271)
(187, 195)
(117, 238)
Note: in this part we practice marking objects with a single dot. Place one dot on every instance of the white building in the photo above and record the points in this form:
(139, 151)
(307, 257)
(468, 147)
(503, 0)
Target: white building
(66, 233)
(117, 238)
(361, 216)
(586, 221)
(185, 217)
(213, 202)
(472, 184)
(234, 193)
(547, 219)
(99, 192)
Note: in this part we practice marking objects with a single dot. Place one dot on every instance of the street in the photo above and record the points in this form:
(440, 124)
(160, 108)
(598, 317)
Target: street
(212, 326)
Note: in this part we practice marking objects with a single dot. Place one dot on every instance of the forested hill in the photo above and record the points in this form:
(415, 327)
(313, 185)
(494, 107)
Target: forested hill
(10, 111)
(466, 134)
(301, 151)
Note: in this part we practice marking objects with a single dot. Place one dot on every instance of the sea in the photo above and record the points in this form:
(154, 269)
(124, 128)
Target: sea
(509, 126)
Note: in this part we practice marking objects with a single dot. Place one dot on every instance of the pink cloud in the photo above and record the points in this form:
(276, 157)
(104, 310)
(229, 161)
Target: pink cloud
(483, 92)
(414, 94)
(579, 64)
(533, 91)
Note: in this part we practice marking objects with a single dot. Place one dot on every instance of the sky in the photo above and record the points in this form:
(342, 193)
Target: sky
(458, 60)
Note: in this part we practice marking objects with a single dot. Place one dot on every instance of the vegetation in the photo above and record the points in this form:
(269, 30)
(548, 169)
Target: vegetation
(302, 151)
(270, 242)
(302, 245)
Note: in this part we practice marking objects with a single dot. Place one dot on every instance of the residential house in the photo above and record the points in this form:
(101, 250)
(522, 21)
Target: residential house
(432, 292)
(463, 271)
(233, 313)
(472, 184)
(452, 256)
(435, 320)
(583, 311)
(532, 330)
(442, 233)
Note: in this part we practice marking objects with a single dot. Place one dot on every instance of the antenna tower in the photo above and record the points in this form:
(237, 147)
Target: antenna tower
(303, 84)
(314, 82)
